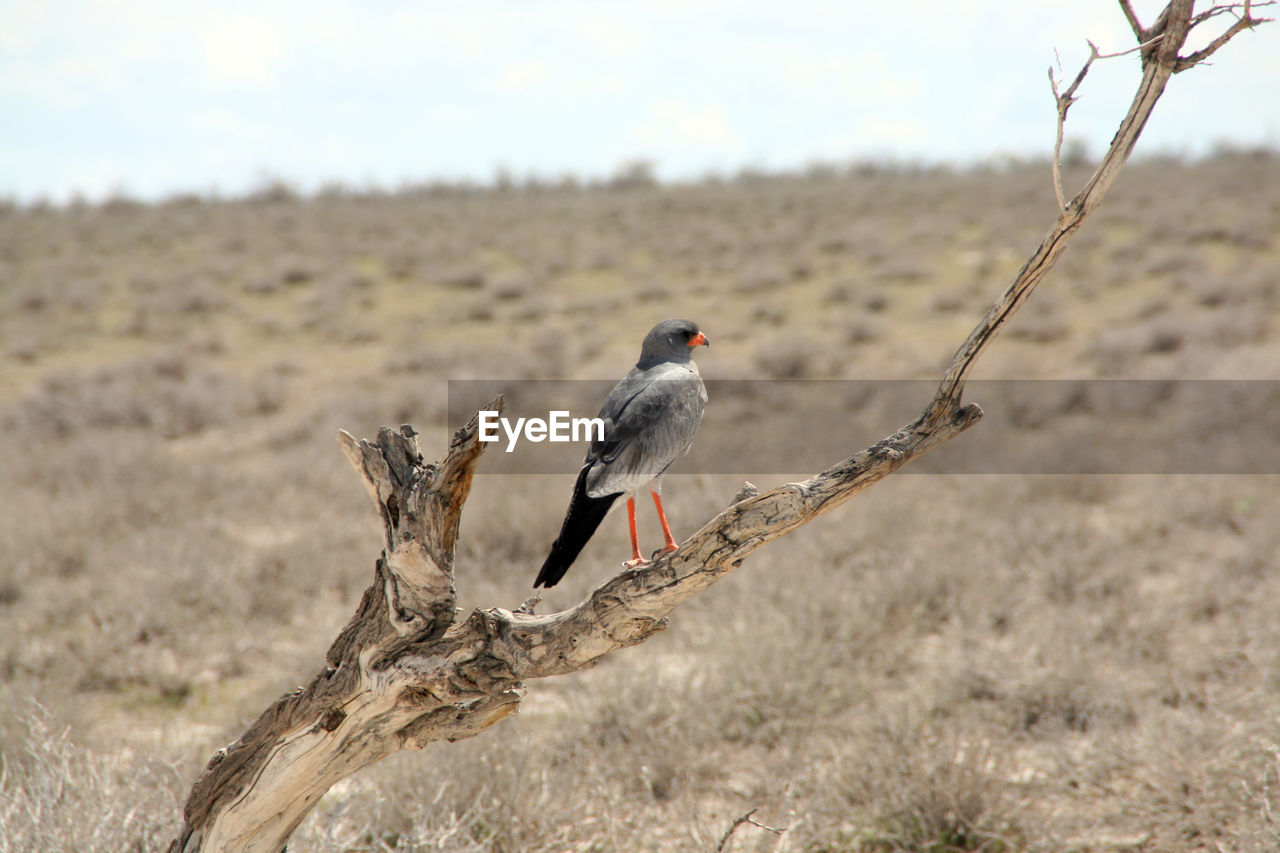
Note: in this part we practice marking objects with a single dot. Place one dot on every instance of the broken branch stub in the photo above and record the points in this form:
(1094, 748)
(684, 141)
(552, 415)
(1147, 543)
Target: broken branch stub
(391, 682)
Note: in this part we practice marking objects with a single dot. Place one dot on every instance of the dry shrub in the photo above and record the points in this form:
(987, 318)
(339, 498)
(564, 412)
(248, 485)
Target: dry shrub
(57, 796)
(402, 263)
(987, 662)
(782, 358)
(466, 277)
(901, 270)
(755, 278)
(512, 286)
(929, 791)
(164, 394)
(862, 330)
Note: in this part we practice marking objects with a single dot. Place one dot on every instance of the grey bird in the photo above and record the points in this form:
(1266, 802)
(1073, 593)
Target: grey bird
(649, 421)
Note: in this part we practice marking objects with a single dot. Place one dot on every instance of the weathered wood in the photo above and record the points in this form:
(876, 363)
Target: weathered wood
(404, 672)
(1159, 64)
(389, 680)
(632, 605)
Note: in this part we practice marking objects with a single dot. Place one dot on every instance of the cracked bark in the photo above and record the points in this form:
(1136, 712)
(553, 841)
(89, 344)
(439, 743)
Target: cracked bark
(405, 672)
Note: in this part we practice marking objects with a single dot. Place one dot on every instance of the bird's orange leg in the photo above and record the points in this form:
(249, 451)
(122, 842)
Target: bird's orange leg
(666, 529)
(636, 558)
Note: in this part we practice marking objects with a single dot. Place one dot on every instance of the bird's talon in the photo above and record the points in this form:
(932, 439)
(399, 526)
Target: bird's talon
(635, 563)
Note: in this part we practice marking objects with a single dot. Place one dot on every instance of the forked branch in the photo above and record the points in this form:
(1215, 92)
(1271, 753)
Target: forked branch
(749, 817)
(1066, 99)
(1244, 21)
(1160, 59)
(406, 672)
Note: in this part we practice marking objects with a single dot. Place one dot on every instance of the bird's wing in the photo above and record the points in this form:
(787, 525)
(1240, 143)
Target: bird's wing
(650, 419)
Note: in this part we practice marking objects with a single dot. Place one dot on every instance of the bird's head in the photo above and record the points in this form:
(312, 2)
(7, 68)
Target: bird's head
(671, 340)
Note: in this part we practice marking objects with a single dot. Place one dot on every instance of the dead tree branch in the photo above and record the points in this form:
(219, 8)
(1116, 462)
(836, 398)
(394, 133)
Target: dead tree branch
(1132, 18)
(1066, 99)
(1244, 21)
(1159, 45)
(406, 671)
(749, 817)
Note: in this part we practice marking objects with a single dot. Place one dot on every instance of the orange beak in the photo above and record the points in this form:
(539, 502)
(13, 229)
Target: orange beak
(699, 340)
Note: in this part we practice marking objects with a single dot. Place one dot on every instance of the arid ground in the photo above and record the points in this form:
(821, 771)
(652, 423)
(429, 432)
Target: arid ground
(996, 662)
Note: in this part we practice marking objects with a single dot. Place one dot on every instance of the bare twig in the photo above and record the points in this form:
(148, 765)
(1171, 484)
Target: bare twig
(1066, 99)
(746, 818)
(1137, 47)
(1246, 6)
(1138, 32)
(1246, 21)
(1159, 58)
(1147, 39)
(1214, 12)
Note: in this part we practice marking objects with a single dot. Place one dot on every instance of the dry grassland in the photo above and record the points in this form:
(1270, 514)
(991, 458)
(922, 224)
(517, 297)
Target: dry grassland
(995, 663)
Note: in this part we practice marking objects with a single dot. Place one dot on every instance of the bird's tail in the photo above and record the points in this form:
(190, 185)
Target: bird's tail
(580, 522)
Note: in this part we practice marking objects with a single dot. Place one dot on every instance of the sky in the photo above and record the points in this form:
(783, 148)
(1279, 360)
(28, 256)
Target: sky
(150, 99)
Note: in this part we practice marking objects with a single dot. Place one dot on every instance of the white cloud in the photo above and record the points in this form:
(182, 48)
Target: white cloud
(614, 36)
(240, 50)
(891, 134)
(218, 121)
(867, 79)
(675, 124)
(415, 87)
(520, 76)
